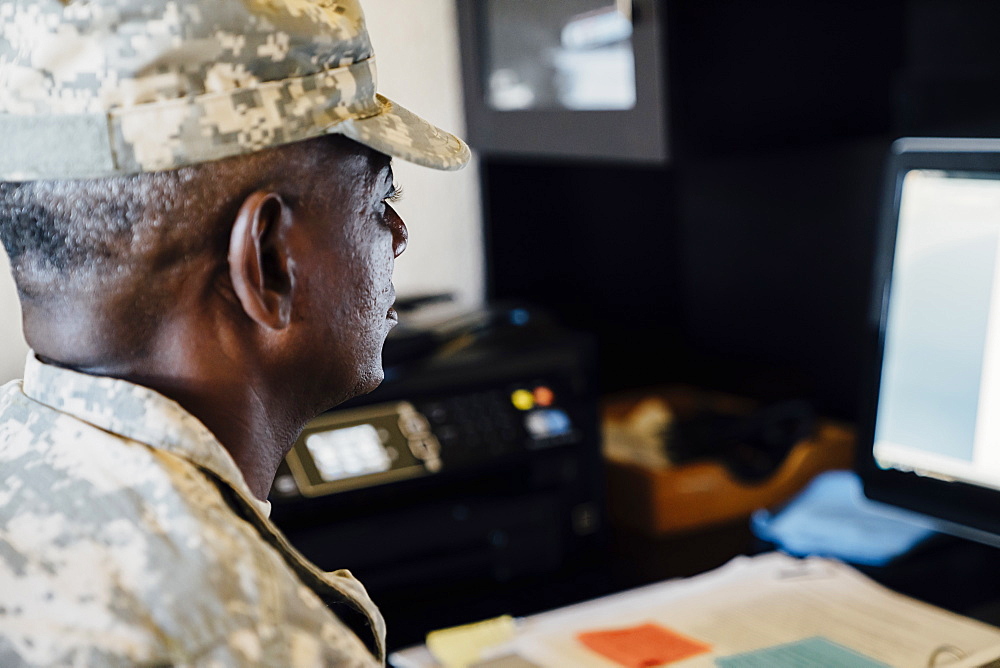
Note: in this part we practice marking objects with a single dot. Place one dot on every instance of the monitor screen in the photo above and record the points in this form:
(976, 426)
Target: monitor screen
(575, 79)
(934, 417)
(573, 54)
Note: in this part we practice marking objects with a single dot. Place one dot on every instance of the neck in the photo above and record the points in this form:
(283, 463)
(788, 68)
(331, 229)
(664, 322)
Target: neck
(250, 425)
(203, 366)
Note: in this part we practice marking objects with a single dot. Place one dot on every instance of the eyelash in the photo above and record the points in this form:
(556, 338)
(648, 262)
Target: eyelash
(395, 195)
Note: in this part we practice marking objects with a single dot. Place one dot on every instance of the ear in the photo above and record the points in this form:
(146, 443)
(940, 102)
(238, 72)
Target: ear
(260, 266)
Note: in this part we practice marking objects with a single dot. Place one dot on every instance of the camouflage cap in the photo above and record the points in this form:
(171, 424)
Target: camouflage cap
(93, 88)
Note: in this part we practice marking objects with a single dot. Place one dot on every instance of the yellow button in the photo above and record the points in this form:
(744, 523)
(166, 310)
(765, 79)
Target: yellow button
(523, 400)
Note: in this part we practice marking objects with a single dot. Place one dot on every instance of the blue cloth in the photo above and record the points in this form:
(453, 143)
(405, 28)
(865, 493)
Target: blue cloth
(832, 518)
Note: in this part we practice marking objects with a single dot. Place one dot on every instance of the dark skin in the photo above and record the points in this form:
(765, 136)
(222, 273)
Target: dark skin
(261, 336)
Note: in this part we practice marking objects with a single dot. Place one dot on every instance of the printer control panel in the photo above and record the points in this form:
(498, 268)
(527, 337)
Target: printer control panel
(376, 444)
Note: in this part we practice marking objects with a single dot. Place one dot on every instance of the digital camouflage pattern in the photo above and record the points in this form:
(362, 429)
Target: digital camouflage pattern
(92, 88)
(128, 536)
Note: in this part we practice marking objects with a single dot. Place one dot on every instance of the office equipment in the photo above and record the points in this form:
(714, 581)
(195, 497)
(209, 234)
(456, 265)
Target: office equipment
(932, 427)
(658, 498)
(578, 78)
(767, 606)
(474, 468)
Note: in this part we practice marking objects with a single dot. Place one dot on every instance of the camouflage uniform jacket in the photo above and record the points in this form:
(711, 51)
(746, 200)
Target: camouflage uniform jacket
(129, 536)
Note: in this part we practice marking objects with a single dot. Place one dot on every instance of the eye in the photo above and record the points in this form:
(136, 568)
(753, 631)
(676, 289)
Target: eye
(395, 194)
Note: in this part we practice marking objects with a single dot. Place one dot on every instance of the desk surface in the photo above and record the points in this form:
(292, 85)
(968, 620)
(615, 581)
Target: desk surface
(771, 603)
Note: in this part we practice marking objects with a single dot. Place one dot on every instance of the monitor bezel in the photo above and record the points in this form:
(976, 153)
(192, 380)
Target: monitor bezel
(956, 507)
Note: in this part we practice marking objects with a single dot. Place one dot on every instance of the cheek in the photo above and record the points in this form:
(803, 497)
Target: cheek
(357, 284)
(375, 273)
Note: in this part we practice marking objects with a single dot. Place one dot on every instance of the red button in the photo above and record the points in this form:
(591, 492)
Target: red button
(544, 396)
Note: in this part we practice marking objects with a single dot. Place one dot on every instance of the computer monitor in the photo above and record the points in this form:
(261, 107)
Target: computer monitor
(574, 79)
(931, 437)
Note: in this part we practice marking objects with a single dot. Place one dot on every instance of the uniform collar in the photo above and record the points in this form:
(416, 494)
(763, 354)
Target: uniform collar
(137, 413)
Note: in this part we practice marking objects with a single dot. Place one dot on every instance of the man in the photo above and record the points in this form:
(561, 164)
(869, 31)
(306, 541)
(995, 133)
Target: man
(196, 202)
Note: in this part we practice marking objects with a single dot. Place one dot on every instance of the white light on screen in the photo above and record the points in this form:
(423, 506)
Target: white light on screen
(348, 452)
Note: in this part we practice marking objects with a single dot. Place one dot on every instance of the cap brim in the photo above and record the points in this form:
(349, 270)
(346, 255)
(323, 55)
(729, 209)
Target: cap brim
(399, 132)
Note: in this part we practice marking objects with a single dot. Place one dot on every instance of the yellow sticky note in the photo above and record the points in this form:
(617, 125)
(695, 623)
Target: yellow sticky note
(462, 646)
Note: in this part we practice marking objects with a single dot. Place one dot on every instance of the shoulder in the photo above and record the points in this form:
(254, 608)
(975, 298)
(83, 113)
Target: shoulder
(112, 548)
(95, 539)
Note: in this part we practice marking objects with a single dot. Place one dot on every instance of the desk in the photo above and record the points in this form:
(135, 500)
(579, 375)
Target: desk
(751, 606)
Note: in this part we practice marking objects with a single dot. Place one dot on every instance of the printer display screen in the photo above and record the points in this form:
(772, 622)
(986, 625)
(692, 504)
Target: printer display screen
(348, 452)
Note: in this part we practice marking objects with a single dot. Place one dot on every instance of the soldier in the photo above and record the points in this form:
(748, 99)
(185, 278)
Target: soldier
(196, 202)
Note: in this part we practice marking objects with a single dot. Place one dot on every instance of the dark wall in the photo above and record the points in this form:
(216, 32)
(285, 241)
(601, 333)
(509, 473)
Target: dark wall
(743, 264)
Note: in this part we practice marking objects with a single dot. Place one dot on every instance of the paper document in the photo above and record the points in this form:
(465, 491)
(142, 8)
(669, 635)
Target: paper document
(814, 607)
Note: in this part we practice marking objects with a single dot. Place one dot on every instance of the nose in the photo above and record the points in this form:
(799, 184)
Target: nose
(399, 233)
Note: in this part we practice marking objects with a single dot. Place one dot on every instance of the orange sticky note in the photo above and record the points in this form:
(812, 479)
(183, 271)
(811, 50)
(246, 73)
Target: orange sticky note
(642, 646)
